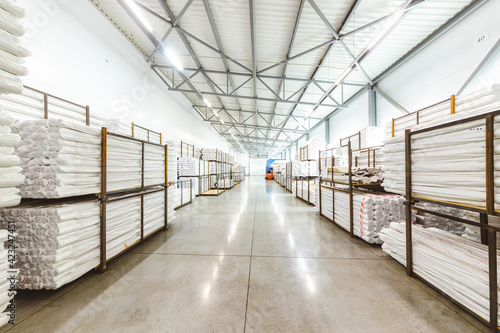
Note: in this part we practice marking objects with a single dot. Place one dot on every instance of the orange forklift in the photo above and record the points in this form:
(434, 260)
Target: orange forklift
(269, 173)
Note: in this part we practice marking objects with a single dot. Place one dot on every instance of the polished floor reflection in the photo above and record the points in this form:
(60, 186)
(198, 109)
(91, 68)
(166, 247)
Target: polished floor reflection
(254, 259)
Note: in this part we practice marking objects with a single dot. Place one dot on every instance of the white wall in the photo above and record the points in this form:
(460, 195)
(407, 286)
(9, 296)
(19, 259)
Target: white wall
(318, 132)
(258, 166)
(80, 56)
(439, 70)
(350, 120)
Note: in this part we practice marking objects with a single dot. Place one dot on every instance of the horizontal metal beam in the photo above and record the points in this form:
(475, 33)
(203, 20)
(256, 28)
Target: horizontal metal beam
(227, 123)
(257, 98)
(287, 116)
(261, 76)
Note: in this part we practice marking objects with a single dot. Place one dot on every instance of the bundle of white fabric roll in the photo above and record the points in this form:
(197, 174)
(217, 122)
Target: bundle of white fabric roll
(55, 244)
(59, 158)
(124, 164)
(171, 203)
(10, 171)
(154, 212)
(453, 264)
(433, 221)
(313, 146)
(173, 153)
(154, 165)
(12, 53)
(371, 212)
(188, 167)
(210, 154)
(8, 284)
(186, 183)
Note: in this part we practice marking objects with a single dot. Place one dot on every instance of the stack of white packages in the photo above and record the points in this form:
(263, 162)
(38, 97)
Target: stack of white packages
(341, 157)
(314, 146)
(305, 169)
(443, 156)
(195, 184)
(313, 193)
(123, 225)
(433, 221)
(59, 158)
(359, 175)
(124, 169)
(455, 265)
(10, 274)
(188, 167)
(154, 212)
(10, 172)
(204, 184)
(371, 212)
(171, 203)
(215, 168)
(154, 165)
(55, 244)
(173, 153)
(294, 186)
(11, 51)
(210, 154)
(172, 178)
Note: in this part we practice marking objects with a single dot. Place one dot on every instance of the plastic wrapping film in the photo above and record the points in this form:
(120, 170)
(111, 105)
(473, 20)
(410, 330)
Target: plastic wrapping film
(173, 153)
(305, 169)
(10, 171)
(56, 244)
(59, 158)
(455, 265)
(154, 212)
(371, 212)
(154, 164)
(124, 164)
(188, 167)
(123, 225)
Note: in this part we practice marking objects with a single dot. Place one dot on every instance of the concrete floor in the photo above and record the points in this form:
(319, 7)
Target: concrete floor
(254, 259)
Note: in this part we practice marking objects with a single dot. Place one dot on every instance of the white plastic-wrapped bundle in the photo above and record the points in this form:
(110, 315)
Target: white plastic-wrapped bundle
(59, 158)
(313, 193)
(305, 169)
(154, 212)
(56, 244)
(124, 168)
(371, 212)
(364, 176)
(210, 154)
(204, 184)
(154, 164)
(171, 203)
(313, 146)
(294, 186)
(123, 225)
(188, 167)
(10, 171)
(173, 153)
(195, 184)
(453, 264)
(372, 137)
(12, 53)
(433, 221)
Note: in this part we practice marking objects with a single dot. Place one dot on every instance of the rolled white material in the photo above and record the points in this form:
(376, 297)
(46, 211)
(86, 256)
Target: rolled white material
(172, 203)
(455, 265)
(55, 244)
(209, 154)
(186, 183)
(314, 146)
(370, 212)
(10, 23)
(12, 64)
(11, 7)
(10, 172)
(154, 212)
(154, 164)
(59, 159)
(123, 225)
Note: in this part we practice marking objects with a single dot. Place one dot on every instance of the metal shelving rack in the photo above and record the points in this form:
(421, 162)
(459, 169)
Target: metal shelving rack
(106, 197)
(217, 163)
(349, 187)
(488, 231)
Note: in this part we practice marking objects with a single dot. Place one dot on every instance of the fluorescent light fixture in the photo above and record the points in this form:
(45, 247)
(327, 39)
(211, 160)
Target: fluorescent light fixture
(173, 58)
(310, 113)
(207, 103)
(222, 122)
(137, 11)
(215, 113)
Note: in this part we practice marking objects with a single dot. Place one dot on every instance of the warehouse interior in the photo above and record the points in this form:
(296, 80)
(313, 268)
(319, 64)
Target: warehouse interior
(249, 165)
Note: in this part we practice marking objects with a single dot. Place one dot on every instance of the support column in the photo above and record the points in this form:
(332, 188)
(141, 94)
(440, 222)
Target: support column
(327, 131)
(372, 107)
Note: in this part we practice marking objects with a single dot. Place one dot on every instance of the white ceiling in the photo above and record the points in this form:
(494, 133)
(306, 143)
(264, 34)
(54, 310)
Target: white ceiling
(318, 37)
